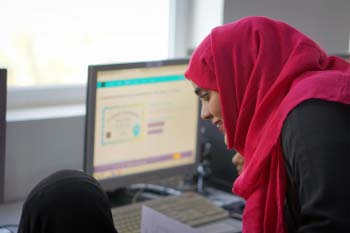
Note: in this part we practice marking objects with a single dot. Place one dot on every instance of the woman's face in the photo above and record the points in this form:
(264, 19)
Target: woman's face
(211, 109)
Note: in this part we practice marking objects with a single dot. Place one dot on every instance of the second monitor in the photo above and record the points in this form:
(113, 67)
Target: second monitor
(141, 123)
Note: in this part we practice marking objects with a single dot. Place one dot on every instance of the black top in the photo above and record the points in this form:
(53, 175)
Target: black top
(316, 147)
(67, 202)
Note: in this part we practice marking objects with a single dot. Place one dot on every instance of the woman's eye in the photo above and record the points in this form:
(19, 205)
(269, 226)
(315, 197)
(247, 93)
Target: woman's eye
(205, 96)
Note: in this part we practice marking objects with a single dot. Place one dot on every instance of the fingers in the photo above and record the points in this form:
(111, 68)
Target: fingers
(238, 161)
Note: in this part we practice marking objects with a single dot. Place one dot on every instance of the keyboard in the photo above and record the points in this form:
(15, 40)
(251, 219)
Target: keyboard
(189, 208)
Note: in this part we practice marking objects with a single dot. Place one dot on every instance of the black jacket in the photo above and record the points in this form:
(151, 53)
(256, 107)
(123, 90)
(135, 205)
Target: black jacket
(316, 146)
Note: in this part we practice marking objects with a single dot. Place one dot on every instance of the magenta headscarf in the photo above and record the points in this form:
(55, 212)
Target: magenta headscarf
(262, 69)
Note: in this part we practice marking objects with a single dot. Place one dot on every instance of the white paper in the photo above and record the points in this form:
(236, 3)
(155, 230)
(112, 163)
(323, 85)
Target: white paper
(155, 222)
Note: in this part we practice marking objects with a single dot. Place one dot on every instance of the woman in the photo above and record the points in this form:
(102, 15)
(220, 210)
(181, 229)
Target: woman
(67, 201)
(283, 104)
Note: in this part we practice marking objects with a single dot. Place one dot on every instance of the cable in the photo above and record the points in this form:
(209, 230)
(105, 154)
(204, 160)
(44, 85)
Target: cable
(136, 196)
(8, 225)
(156, 188)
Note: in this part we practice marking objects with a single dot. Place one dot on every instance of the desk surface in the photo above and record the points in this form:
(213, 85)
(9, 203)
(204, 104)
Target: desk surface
(10, 213)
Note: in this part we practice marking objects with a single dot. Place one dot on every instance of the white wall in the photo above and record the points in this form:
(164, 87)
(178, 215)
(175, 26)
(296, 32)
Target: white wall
(326, 21)
(37, 148)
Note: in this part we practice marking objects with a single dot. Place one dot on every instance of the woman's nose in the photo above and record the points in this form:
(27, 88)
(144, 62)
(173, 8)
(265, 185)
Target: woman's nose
(205, 114)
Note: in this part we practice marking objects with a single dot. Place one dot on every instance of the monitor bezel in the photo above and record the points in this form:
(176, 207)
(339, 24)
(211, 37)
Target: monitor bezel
(121, 182)
(3, 98)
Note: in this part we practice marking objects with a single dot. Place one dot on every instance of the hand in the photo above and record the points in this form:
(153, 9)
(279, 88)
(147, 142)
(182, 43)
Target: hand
(238, 161)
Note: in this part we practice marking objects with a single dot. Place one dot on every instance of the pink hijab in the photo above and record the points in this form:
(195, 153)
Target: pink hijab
(262, 69)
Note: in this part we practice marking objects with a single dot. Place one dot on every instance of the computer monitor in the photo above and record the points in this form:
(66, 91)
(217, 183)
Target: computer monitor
(141, 123)
(3, 96)
(223, 172)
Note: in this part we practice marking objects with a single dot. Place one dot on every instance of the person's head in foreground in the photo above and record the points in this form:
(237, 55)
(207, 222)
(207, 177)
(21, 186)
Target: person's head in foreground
(67, 201)
(249, 75)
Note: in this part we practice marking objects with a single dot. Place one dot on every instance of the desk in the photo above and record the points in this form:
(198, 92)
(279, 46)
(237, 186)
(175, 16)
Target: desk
(10, 213)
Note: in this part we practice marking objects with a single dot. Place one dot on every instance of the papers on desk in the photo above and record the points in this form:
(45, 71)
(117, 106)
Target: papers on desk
(155, 222)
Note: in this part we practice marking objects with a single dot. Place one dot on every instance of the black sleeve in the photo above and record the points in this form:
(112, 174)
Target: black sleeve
(316, 147)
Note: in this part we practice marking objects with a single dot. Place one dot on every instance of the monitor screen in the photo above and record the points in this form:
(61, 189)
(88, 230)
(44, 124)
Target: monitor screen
(141, 122)
(3, 97)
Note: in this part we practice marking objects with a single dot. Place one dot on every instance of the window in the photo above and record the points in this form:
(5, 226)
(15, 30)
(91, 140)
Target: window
(52, 42)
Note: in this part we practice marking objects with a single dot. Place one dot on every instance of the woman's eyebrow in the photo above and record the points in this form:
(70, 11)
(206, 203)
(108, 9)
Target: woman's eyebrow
(198, 91)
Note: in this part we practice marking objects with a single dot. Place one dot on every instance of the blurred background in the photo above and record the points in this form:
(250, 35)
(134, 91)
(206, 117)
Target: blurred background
(47, 46)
